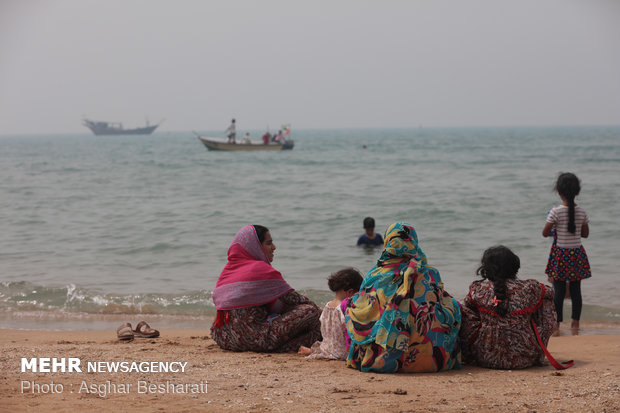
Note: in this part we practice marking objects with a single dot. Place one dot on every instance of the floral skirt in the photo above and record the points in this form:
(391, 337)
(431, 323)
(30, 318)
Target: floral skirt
(568, 264)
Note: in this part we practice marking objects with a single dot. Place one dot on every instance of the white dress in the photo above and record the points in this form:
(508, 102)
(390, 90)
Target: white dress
(334, 332)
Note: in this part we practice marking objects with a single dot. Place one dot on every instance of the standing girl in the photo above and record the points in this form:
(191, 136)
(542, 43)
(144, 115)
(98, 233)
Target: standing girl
(568, 261)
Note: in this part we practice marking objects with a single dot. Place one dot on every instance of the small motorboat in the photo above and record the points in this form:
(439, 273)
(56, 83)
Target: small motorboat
(215, 144)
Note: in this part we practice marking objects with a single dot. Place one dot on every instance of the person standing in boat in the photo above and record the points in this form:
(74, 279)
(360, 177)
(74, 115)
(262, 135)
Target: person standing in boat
(266, 137)
(232, 132)
(278, 137)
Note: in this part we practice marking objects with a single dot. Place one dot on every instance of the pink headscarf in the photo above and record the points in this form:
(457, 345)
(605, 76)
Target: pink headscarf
(248, 279)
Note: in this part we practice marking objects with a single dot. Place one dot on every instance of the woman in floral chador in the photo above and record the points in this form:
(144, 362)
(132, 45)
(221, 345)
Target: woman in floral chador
(402, 320)
(256, 309)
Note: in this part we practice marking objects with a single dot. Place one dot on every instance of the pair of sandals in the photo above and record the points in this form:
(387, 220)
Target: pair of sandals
(143, 330)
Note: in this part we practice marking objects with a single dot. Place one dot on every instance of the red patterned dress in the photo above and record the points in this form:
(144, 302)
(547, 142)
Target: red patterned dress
(249, 329)
(507, 342)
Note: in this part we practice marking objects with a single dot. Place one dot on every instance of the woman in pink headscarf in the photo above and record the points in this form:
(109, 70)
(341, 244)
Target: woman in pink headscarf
(256, 309)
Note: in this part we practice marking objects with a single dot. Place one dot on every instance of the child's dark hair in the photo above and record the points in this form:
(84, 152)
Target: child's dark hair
(261, 231)
(345, 279)
(568, 186)
(497, 265)
(369, 222)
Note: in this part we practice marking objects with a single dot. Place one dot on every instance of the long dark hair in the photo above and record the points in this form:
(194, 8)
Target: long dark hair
(497, 265)
(568, 186)
(261, 231)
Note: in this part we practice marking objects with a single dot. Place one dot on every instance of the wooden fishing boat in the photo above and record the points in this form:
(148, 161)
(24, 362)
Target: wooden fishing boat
(214, 144)
(116, 128)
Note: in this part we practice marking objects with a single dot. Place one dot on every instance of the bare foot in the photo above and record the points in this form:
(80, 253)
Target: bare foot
(556, 332)
(304, 351)
(574, 327)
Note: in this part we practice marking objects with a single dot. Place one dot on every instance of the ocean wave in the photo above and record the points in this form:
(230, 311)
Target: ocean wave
(23, 296)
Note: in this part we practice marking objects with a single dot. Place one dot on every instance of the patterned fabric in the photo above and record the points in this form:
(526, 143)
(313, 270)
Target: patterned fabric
(402, 320)
(248, 239)
(334, 332)
(248, 279)
(568, 264)
(250, 329)
(343, 307)
(507, 342)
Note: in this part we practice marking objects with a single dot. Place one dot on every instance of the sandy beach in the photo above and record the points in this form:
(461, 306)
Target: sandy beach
(202, 377)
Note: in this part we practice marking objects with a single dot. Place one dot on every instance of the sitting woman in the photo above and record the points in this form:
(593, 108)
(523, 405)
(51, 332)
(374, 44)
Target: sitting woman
(497, 329)
(402, 320)
(256, 309)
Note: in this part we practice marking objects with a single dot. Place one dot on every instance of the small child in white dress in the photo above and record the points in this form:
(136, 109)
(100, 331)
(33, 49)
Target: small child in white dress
(345, 283)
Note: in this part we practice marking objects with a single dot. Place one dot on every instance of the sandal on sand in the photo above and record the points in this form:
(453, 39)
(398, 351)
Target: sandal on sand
(124, 332)
(145, 331)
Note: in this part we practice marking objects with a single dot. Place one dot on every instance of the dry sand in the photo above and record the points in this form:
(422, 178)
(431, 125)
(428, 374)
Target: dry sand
(287, 382)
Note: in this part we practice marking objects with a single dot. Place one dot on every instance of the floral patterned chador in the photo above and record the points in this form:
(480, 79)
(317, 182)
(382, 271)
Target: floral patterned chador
(403, 320)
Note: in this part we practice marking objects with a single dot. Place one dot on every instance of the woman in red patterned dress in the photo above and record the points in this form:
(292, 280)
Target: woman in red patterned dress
(497, 331)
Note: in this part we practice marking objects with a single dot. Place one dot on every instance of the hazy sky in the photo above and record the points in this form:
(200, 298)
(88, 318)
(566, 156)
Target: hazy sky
(314, 64)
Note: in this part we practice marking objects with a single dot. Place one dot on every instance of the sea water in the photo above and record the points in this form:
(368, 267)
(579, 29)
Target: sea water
(141, 224)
